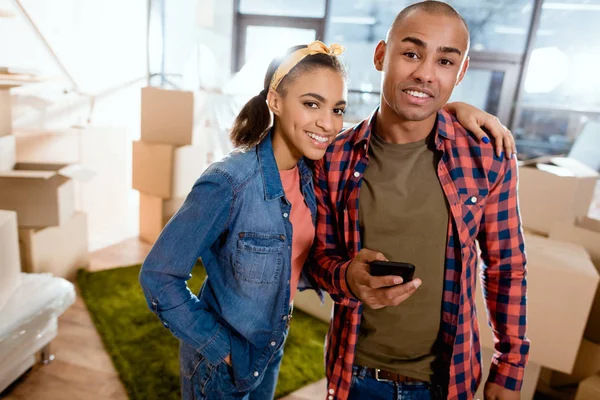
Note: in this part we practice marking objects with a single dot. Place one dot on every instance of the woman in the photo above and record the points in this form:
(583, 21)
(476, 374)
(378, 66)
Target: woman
(250, 217)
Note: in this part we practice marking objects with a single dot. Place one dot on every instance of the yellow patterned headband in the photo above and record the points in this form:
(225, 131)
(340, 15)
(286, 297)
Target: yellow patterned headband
(316, 47)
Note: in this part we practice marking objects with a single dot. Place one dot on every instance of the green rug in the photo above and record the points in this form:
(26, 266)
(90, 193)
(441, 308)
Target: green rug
(145, 353)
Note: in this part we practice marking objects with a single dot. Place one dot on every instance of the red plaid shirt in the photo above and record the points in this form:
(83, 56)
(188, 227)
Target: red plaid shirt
(481, 190)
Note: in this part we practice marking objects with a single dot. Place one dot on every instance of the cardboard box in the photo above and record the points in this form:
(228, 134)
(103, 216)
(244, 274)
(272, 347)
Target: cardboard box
(166, 171)
(167, 116)
(554, 189)
(530, 378)
(585, 232)
(5, 112)
(587, 364)
(154, 215)
(10, 264)
(309, 302)
(41, 194)
(101, 149)
(589, 389)
(7, 153)
(60, 250)
(561, 285)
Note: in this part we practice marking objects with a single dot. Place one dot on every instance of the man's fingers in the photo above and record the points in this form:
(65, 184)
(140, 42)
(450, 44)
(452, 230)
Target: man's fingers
(377, 282)
(366, 256)
(395, 295)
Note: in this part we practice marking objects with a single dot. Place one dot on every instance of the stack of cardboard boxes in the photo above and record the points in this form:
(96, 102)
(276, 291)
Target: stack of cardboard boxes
(169, 158)
(101, 149)
(36, 209)
(562, 245)
(52, 236)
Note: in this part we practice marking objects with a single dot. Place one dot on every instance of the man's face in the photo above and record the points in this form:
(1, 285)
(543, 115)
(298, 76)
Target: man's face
(422, 62)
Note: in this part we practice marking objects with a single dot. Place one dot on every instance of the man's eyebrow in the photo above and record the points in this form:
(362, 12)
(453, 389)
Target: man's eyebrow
(445, 49)
(415, 41)
(441, 49)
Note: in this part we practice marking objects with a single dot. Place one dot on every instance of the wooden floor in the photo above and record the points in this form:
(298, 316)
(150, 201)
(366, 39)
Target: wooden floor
(82, 370)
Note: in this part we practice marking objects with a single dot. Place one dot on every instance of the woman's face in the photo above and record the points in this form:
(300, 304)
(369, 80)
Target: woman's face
(310, 114)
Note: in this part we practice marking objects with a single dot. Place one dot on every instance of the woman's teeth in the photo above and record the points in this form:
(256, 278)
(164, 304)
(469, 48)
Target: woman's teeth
(318, 138)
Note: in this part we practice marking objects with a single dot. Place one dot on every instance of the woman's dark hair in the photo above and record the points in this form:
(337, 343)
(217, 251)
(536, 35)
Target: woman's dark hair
(252, 123)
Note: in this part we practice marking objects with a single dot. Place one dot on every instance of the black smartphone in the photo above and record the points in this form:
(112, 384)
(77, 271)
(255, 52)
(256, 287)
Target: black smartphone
(383, 268)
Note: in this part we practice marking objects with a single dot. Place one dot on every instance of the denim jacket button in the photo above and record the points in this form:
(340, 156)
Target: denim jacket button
(285, 215)
(273, 344)
(255, 373)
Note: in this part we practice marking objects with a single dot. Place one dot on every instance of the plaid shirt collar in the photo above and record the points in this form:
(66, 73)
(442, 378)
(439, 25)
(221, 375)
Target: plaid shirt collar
(367, 126)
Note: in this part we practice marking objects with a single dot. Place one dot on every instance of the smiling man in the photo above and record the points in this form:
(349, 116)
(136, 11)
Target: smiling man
(410, 184)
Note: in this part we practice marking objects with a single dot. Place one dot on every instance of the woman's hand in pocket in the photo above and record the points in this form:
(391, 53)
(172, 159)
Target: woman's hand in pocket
(228, 360)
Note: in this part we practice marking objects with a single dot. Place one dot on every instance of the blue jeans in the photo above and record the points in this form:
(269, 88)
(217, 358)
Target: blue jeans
(365, 387)
(216, 382)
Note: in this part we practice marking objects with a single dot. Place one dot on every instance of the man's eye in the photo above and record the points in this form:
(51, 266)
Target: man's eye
(410, 54)
(446, 62)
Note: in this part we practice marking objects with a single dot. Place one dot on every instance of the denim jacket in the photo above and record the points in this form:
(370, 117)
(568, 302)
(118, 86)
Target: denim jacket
(236, 219)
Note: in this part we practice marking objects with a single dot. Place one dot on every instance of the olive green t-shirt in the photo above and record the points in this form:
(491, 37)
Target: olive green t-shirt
(403, 213)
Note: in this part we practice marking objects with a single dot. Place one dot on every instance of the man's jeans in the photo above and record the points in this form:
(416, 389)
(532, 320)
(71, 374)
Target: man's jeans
(364, 387)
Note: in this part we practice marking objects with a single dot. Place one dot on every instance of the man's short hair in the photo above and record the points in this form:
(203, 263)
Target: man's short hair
(431, 7)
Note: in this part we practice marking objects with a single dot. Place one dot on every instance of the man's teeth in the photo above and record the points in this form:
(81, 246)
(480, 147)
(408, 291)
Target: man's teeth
(417, 94)
(318, 138)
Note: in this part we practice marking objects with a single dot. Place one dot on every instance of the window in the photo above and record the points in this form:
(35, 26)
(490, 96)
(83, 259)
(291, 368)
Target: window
(306, 8)
(559, 94)
(263, 28)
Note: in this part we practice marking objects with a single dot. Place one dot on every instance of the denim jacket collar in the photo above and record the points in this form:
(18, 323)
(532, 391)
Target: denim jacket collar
(270, 172)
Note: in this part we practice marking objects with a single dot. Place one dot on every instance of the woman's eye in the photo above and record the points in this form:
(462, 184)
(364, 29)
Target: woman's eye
(311, 104)
(339, 111)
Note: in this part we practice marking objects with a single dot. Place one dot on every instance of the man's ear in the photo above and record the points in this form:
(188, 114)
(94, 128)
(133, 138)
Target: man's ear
(379, 55)
(274, 101)
(461, 75)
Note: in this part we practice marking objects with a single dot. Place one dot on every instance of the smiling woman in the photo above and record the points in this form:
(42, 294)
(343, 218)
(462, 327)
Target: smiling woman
(250, 217)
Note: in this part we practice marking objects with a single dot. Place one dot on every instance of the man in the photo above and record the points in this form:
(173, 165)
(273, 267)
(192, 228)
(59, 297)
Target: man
(410, 184)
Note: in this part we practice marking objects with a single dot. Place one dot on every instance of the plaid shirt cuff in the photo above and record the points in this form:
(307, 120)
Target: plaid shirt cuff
(506, 375)
(341, 283)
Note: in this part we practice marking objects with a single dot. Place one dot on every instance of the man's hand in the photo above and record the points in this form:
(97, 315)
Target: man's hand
(492, 391)
(228, 360)
(377, 291)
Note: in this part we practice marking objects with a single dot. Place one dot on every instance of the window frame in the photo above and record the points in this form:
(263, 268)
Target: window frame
(242, 21)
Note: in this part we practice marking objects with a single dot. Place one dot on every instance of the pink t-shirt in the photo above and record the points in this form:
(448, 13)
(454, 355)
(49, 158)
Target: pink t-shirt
(303, 228)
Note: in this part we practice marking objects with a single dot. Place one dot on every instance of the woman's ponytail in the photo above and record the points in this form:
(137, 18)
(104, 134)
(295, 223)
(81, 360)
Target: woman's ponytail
(252, 123)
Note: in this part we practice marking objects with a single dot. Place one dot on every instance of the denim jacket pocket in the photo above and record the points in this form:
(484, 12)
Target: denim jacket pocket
(259, 257)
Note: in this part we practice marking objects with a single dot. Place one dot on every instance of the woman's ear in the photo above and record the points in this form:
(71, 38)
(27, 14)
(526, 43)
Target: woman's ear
(274, 101)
